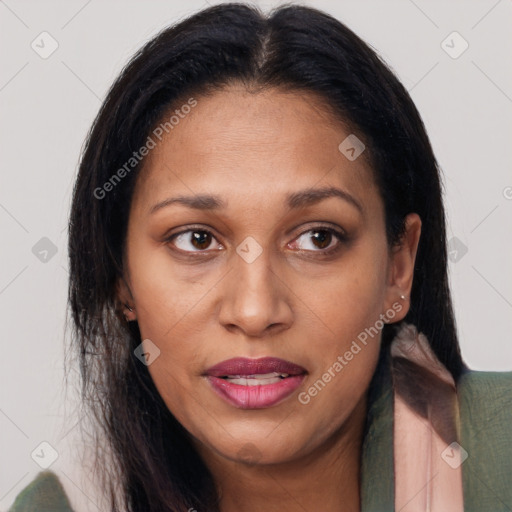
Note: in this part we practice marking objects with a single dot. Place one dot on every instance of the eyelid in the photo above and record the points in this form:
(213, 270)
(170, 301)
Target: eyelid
(312, 225)
(186, 228)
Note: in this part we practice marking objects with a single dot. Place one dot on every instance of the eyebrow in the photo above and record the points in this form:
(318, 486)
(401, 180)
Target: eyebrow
(295, 200)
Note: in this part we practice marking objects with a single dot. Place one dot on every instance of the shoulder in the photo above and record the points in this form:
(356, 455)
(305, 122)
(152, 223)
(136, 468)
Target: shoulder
(486, 382)
(485, 401)
(44, 494)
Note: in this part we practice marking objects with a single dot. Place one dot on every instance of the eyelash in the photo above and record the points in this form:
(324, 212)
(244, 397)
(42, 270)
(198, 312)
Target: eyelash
(339, 235)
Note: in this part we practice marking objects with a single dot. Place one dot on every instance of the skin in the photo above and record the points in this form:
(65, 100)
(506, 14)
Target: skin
(201, 303)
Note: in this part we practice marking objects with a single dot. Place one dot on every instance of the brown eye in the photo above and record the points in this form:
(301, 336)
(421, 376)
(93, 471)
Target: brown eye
(201, 239)
(319, 240)
(193, 240)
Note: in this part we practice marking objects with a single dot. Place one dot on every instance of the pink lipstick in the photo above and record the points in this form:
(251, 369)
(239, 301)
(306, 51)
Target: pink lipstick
(255, 383)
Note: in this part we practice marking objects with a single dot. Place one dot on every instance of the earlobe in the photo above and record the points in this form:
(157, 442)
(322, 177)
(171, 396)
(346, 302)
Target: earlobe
(129, 313)
(125, 299)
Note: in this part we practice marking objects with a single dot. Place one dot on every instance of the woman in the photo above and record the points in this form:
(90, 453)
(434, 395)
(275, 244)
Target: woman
(258, 284)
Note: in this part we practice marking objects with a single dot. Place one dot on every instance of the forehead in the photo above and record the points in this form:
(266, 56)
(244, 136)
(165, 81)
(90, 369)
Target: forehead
(240, 143)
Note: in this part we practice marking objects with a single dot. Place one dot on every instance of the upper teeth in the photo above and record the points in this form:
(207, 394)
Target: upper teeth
(258, 376)
(261, 379)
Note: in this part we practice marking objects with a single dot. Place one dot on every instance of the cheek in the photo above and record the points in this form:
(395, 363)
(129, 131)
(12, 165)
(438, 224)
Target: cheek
(171, 312)
(165, 295)
(350, 297)
(346, 329)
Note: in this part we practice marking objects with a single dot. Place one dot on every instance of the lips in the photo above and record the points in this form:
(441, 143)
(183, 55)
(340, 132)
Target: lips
(255, 383)
(243, 367)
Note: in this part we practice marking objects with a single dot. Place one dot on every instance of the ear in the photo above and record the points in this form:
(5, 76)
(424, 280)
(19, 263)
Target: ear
(401, 268)
(124, 296)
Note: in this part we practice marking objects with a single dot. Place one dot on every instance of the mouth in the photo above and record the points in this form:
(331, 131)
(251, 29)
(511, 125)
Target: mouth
(255, 383)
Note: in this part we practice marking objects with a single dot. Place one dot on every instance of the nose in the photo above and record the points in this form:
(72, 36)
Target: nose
(255, 300)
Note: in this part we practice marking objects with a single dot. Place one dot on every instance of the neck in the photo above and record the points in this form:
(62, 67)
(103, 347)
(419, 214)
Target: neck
(325, 479)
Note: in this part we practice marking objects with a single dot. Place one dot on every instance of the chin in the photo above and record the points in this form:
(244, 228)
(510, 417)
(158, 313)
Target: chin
(253, 450)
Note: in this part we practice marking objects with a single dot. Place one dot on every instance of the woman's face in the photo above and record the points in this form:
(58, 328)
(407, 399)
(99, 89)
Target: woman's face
(256, 270)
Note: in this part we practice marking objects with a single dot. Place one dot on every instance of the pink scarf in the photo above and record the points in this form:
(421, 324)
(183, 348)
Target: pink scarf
(427, 456)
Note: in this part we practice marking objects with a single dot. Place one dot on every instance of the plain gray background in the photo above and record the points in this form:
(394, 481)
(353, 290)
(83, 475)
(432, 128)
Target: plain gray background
(47, 106)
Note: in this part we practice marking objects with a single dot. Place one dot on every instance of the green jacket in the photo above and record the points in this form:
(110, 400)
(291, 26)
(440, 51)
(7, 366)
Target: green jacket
(485, 400)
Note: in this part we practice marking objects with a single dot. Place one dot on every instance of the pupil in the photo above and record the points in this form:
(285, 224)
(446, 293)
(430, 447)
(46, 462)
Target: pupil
(201, 239)
(323, 238)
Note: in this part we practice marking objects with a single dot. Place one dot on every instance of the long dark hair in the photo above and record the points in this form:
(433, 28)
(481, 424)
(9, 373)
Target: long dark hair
(154, 466)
